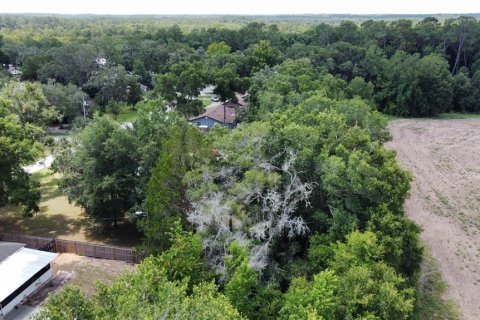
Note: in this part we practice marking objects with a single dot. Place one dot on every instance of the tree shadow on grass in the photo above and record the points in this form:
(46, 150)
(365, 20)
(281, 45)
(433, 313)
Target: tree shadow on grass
(48, 185)
(125, 235)
(41, 225)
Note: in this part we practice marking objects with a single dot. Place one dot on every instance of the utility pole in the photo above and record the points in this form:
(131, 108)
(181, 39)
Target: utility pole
(84, 112)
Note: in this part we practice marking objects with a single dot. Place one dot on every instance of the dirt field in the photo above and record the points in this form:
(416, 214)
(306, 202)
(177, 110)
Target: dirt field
(83, 272)
(444, 157)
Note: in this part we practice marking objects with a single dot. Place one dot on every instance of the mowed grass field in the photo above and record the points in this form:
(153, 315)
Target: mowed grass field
(60, 219)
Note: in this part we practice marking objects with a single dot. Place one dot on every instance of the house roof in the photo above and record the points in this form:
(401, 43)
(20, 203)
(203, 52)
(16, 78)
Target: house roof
(217, 113)
(240, 101)
(19, 267)
(9, 248)
(240, 98)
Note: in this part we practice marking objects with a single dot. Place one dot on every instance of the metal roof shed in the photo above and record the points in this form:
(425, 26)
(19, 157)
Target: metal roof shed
(21, 273)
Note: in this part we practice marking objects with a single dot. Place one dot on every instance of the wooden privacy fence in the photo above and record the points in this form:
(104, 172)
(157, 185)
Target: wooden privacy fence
(80, 248)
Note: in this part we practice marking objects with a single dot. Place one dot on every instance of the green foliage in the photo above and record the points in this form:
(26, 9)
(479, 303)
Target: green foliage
(400, 240)
(182, 85)
(244, 289)
(304, 183)
(466, 93)
(100, 174)
(146, 293)
(68, 304)
(311, 300)
(360, 249)
(19, 146)
(227, 81)
(134, 94)
(184, 259)
(415, 87)
(367, 287)
(27, 101)
(113, 83)
(68, 100)
(113, 108)
(182, 150)
(262, 54)
(218, 49)
(70, 63)
(151, 126)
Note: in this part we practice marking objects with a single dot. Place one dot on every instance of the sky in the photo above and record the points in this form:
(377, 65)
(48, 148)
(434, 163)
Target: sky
(249, 7)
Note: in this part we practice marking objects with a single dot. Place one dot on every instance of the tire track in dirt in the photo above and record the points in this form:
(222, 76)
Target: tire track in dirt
(444, 158)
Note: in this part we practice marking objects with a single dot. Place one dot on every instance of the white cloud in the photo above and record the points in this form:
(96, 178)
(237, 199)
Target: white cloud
(238, 7)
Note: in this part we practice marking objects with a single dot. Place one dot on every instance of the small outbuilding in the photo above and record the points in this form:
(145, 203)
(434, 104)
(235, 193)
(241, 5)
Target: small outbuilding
(22, 272)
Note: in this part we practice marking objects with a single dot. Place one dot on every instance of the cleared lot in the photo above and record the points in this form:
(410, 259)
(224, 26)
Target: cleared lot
(83, 272)
(444, 157)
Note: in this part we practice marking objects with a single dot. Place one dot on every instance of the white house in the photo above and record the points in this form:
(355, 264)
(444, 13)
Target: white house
(22, 271)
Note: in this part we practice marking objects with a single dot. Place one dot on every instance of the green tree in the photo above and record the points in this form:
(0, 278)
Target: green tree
(416, 87)
(244, 289)
(68, 100)
(28, 102)
(114, 108)
(184, 259)
(367, 287)
(262, 54)
(72, 63)
(181, 86)
(141, 71)
(359, 88)
(227, 81)
(182, 150)
(146, 293)
(68, 304)
(465, 95)
(100, 174)
(111, 83)
(151, 127)
(18, 146)
(311, 300)
(134, 92)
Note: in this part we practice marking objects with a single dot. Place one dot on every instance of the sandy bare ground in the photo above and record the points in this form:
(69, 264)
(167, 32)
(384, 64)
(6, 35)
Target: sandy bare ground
(444, 157)
(83, 272)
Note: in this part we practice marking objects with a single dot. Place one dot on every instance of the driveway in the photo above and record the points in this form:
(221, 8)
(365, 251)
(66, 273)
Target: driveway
(39, 165)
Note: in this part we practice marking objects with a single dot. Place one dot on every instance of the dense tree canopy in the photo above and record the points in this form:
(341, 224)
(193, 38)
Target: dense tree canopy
(295, 214)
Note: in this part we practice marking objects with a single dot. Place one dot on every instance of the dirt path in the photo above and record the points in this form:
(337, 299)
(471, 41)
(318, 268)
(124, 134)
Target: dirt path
(39, 165)
(444, 157)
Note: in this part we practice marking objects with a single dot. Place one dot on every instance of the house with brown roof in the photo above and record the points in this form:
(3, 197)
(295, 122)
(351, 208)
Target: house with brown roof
(220, 114)
(223, 114)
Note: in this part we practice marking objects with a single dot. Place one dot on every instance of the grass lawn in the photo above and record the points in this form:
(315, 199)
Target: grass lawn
(458, 115)
(60, 219)
(206, 99)
(127, 114)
